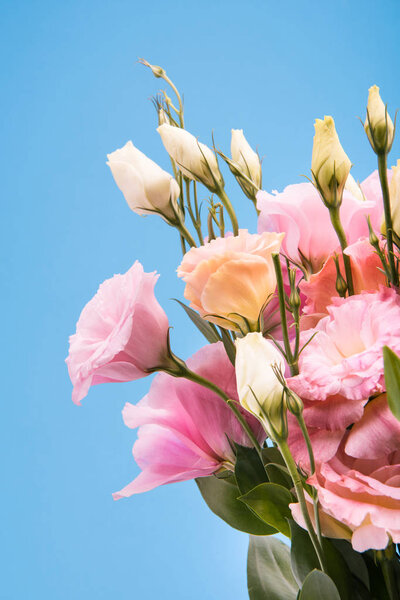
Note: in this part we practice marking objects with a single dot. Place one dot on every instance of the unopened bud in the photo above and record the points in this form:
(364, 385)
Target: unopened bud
(246, 164)
(378, 124)
(294, 403)
(330, 165)
(163, 117)
(156, 70)
(341, 285)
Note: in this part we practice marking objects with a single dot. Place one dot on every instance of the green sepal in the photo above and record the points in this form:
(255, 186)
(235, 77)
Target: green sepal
(268, 570)
(221, 496)
(392, 380)
(270, 502)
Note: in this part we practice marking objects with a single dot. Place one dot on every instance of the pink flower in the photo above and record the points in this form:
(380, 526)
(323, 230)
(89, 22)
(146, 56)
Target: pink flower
(359, 498)
(344, 359)
(310, 238)
(121, 333)
(229, 280)
(320, 288)
(184, 427)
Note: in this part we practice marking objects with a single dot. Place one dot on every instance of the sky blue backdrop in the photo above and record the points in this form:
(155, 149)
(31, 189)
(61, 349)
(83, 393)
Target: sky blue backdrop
(71, 92)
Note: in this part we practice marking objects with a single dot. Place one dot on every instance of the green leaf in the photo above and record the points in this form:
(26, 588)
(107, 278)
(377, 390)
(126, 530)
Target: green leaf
(221, 496)
(268, 570)
(207, 329)
(318, 586)
(392, 380)
(354, 560)
(270, 502)
(304, 560)
(229, 345)
(249, 470)
(272, 455)
(279, 474)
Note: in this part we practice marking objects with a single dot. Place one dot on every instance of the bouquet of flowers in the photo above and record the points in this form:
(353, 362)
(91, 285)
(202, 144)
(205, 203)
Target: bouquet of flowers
(288, 419)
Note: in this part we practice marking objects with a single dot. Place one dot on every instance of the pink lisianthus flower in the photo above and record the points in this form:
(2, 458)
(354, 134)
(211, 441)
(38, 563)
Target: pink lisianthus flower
(344, 358)
(121, 334)
(310, 238)
(320, 288)
(360, 497)
(229, 280)
(184, 427)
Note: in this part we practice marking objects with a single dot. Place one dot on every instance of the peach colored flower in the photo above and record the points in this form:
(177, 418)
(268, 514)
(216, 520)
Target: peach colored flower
(320, 288)
(121, 333)
(229, 280)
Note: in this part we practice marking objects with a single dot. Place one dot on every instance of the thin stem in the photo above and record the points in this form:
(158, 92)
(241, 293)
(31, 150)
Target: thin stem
(181, 120)
(292, 468)
(195, 220)
(337, 225)
(192, 376)
(382, 167)
(292, 362)
(229, 209)
(185, 233)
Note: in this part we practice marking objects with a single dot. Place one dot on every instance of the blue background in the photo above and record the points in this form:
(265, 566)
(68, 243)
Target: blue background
(71, 92)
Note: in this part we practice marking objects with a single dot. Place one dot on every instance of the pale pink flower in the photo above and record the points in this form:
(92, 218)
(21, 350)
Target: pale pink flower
(184, 427)
(121, 333)
(344, 358)
(359, 498)
(310, 238)
(320, 288)
(229, 280)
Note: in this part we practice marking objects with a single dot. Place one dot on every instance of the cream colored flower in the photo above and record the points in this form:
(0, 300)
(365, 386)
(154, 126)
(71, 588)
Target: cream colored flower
(246, 162)
(330, 164)
(260, 392)
(378, 124)
(147, 188)
(195, 160)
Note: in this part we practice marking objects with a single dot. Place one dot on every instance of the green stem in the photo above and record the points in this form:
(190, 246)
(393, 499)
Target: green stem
(291, 360)
(292, 468)
(337, 225)
(382, 167)
(192, 376)
(194, 218)
(185, 233)
(229, 209)
(181, 120)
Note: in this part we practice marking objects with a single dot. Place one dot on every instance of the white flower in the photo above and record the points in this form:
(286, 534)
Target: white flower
(247, 162)
(195, 160)
(330, 164)
(147, 188)
(378, 124)
(260, 392)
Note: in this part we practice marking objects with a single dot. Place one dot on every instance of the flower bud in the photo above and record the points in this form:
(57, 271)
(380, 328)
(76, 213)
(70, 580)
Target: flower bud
(163, 117)
(246, 162)
(330, 164)
(147, 188)
(378, 124)
(260, 392)
(195, 160)
(156, 70)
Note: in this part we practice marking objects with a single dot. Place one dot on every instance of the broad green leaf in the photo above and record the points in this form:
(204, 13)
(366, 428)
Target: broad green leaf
(279, 474)
(270, 502)
(207, 329)
(272, 454)
(249, 470)
(392, 380)
(354, 560)
(304, 560)
(318, 586)
(269, 576)
(221, 497)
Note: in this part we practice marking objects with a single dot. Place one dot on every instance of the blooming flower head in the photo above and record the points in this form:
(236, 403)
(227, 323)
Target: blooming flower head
(121, 333)
(229, 280)
(185, 429)
(344, 358)
(310, 238)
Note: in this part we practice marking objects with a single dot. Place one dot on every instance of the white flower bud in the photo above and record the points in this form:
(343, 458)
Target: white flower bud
(378, 124)
(246, 162)
(147, 188)
(195, 160)
(260, 391)
(330, 164)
